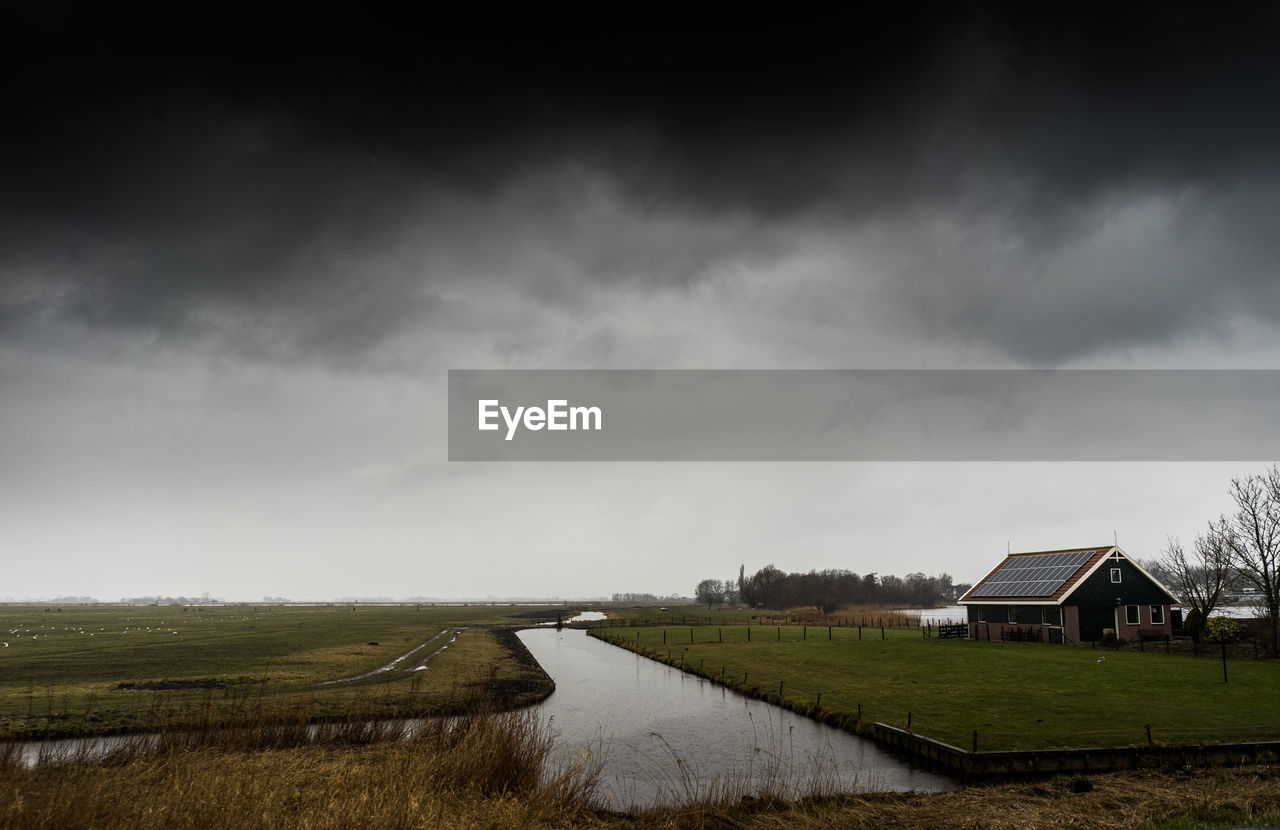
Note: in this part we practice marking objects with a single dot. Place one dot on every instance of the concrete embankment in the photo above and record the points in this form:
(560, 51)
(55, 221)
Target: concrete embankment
(953, 759)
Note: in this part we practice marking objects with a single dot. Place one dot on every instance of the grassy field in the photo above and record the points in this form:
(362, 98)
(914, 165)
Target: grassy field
(108, 669)
(1015, 695)
(113, 668)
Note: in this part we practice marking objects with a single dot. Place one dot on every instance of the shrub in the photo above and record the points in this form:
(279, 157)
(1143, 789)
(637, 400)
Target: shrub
(1193, 625)
(1222, 629)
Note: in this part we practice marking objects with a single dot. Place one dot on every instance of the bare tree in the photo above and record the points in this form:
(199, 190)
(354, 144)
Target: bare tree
(1201, 578)
(769, 583)
(1253, 537)
(709, 591)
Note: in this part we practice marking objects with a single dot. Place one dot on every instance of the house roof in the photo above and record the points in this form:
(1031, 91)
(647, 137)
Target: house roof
(1046, 576)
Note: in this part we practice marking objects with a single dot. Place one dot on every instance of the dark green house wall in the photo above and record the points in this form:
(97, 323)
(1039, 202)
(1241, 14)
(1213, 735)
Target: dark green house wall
(1133, 589)
(1024, 614)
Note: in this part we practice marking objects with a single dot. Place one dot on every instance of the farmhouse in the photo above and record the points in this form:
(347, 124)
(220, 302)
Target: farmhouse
(1068, 596)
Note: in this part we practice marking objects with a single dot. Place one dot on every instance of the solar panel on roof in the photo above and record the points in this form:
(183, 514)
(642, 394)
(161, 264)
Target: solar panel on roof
(1036, 575)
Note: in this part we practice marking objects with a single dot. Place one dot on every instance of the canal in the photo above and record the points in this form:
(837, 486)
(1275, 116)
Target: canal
(667, 736)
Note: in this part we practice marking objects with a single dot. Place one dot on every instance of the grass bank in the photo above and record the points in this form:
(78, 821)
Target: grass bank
(102, 670)
(1014, 695)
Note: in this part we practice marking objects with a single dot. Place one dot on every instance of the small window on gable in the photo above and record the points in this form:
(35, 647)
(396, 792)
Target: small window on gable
(1157, 615)
(1131, 616)
(1115, 575)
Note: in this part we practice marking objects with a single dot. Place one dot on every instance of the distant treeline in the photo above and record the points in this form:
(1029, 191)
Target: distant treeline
(634, 597)
(203, 599)
(54, 601)
(827, 590)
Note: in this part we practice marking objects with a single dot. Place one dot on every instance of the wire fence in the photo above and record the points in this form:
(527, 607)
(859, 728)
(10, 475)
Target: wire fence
(667, 644)
(886, 619)
(763, 629)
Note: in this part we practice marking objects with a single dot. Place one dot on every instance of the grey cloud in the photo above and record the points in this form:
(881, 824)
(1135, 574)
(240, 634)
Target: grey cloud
(986, 147)
(1131, 268)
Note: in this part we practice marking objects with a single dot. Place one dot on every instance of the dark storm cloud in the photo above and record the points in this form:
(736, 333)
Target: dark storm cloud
(339, 180)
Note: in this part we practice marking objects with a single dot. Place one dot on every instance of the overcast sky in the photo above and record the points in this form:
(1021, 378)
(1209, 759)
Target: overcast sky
(238, 258)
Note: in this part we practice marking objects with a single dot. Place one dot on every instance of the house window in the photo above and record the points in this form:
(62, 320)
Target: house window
(1045, 615)
(1157, 615)
(1131, 616)
(1013, 614)
(1115, 575)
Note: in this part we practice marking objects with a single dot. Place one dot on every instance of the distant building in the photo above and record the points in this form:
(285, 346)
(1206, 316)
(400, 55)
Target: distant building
(1069, 596)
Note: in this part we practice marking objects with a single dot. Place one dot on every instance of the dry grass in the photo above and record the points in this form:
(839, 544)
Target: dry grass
(499, 770)
(1118, 800)
(488, 774)
(480, 770)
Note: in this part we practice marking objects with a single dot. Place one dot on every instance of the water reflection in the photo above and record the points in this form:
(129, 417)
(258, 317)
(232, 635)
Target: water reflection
(582, 616)
(938, 616)
(670, 736)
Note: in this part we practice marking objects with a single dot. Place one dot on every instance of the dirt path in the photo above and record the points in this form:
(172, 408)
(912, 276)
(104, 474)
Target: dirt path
(398, 668)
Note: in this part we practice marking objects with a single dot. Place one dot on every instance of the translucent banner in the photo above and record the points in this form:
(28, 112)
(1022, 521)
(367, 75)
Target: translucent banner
(864, 415)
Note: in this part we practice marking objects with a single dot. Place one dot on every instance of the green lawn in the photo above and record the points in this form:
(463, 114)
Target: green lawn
(62, 670)
(1015, 695)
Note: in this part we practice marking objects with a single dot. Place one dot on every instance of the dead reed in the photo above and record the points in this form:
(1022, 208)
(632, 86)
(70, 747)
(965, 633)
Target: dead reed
(1115, 801)
(486, 768)
(500, 769)
(774, 771)
(403, 785)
